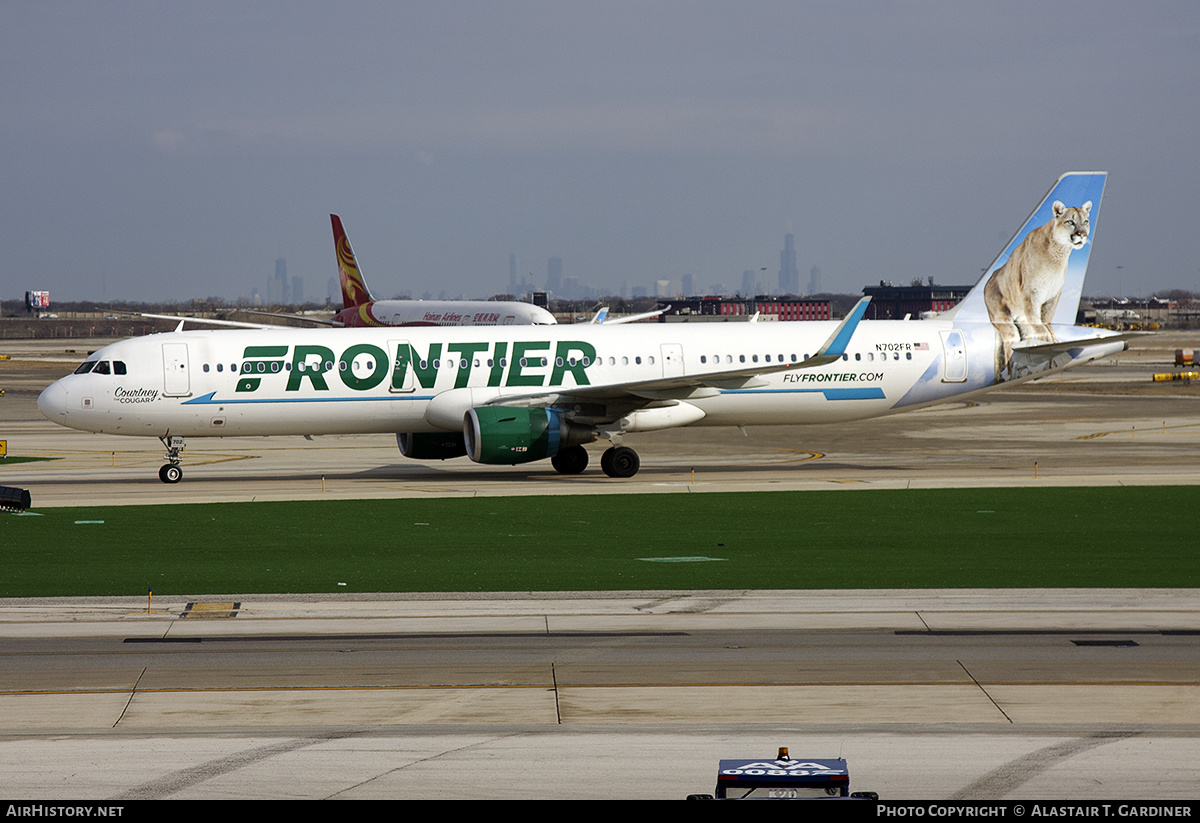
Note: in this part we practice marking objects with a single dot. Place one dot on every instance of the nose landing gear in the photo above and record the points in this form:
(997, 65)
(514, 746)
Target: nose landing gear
(172, 472)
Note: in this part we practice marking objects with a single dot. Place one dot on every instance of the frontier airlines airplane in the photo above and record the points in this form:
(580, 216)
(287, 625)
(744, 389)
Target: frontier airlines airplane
(516, 394)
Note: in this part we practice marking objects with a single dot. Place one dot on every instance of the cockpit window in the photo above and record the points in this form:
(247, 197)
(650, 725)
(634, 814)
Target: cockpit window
(86, 366)
(119, 367)
(101, 368)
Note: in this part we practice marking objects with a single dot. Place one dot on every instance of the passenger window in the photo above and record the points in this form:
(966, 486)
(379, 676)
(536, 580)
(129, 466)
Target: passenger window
(206, 368)
(858, 356)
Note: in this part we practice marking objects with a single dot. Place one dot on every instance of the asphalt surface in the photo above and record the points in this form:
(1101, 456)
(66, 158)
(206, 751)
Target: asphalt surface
(929, 694)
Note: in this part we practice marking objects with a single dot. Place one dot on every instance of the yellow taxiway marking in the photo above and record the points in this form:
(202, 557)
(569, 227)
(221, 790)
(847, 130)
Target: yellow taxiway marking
(210, 611)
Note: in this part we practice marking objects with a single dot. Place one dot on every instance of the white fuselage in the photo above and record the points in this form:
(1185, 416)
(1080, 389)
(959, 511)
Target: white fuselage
(325, 381)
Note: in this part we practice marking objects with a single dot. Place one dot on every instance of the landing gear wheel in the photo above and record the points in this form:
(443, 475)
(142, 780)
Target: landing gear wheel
(571, 460)
(170, 473)
(620, 461)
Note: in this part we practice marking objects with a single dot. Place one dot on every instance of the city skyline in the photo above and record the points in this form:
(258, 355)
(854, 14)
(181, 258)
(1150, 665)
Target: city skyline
(160, 151)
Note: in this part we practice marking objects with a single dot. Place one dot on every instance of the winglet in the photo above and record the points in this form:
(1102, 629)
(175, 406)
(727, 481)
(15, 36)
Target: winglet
(836, 345)
(354, 288)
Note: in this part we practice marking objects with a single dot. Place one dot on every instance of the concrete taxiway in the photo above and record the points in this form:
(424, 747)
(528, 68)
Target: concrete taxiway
(933, 695)
(928, 694)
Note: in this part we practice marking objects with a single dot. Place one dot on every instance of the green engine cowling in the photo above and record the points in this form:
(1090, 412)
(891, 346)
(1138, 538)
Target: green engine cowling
(431, 445)
(507, 436)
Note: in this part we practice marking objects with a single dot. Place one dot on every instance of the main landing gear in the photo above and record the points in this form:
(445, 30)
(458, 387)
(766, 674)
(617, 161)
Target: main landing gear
(618, 461)
(172, 472)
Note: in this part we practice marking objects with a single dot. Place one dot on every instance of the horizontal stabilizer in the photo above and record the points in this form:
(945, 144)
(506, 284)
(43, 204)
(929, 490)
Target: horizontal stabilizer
(1033, 347)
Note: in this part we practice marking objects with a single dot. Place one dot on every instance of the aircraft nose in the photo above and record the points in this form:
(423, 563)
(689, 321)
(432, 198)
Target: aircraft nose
(52, 402)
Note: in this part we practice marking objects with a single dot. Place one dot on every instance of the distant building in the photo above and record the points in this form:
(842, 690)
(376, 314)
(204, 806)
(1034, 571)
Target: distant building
(773, 308)
(814, 280)
(892, 302)
(554, 273)
(789, 275)
(278, 290)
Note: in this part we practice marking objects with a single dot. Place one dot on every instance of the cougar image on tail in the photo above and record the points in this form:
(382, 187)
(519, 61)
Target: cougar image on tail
(1023, 293)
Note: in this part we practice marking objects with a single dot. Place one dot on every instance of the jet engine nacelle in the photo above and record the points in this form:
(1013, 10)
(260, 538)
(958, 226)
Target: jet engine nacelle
(505, 436)
(431, 445)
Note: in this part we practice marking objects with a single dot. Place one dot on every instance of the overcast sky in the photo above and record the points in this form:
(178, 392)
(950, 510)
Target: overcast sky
(157, 151)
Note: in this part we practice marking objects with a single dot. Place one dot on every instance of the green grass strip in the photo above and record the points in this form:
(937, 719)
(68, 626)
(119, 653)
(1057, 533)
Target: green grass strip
(14, 459)
(958, 538)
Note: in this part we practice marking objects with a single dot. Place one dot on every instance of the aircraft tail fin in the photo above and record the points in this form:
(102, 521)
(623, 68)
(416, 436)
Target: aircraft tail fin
(1049, 255)
(354, 288)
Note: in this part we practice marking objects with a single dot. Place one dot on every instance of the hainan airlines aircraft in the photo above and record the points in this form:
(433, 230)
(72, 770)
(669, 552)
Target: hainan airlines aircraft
(363, 310)
(516, 394)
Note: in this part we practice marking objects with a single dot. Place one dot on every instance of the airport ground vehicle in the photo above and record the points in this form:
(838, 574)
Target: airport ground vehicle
(783, 779)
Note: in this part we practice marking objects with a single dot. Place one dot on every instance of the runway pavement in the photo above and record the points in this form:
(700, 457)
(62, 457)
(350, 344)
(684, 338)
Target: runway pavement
(929, 695)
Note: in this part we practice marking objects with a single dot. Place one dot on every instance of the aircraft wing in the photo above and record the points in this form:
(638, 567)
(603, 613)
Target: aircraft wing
(203, 321)
(237, 324)
(697, 385)
(300, 318)
(601, 317)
